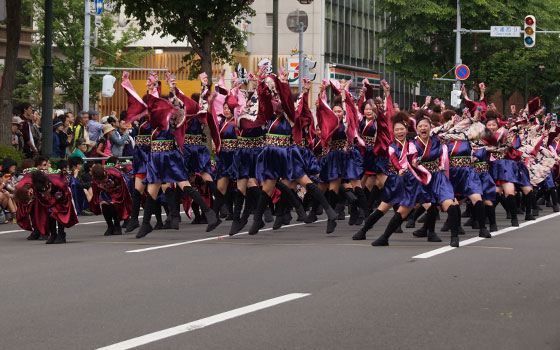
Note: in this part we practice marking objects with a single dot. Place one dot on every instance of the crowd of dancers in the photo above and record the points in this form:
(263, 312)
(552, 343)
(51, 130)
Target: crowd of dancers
(273, 155)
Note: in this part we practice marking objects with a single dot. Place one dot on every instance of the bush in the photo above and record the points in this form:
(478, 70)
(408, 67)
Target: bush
(7, 151)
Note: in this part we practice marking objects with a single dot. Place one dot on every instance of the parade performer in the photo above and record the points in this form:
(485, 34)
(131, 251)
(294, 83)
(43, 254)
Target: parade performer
(111, 197)
(280, 159)
(45, 202)
(166, 163)
(343, 160)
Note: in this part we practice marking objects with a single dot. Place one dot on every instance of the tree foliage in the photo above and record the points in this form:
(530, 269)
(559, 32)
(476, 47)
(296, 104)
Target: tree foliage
(502, 63)
(68, 58)
(210, 26)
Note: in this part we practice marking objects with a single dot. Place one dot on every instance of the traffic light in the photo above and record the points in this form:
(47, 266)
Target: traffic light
(308, 65)
(530, 35)
(107, 90)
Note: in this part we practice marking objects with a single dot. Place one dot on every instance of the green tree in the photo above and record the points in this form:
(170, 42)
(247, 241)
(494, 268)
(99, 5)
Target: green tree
(68, 58)
(210, 27)
(13, 31)
(502, 63)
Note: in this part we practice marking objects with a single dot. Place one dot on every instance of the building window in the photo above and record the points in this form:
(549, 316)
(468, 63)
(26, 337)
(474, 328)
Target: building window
(269, 20)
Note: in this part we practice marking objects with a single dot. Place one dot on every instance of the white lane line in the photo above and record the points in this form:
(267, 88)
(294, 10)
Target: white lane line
(205, 322)
(210, 239)
(442, 250)
(80, 223)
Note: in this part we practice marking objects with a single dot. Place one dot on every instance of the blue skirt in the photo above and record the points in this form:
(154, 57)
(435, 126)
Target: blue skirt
(382, 164)
(140, 157)
(465, 181)
(168, 166)
(246, 162)
(279, 163)
(548, 182)
(507, 170)
(488, 187)
(342, 165)
(403, 190)
(197, 159)
(225, 164)
(438, 190)
(310, 163)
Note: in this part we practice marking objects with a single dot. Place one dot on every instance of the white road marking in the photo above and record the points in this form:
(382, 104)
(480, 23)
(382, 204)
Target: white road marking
(442, 250)
(205, 322)
(209, 239)
(80, 223)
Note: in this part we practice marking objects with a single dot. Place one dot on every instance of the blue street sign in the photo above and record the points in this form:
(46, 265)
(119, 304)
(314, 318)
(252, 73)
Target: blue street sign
(98, 6)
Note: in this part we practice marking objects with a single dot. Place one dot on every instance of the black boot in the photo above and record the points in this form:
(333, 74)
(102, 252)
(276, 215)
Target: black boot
(368, 224)
(312, 215)
(362, 201)
(528, 201)
(318, 195)
(554, 199)
(107, 210)
(454, 214)
(146, 227)
(412, 217)
(157, 214)
(395, 222)
(491, 215)
(480, 216)
(253, 194)
(430, 217)
(170, 197)
(34, 235)
(133, 223)
(293, 200)
(281, 210)
(210, 214)
(52, 230)
(229, 199)
(60, 235)
(468, 211)
(258, 222)
(431, 225)
(237, 208)
(512, 209)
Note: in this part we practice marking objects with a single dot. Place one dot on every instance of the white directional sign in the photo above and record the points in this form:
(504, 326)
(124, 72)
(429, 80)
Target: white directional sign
(505, 31)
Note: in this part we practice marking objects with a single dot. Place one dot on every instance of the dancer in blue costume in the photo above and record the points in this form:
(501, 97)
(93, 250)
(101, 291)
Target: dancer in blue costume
(138, 110)
(249, 144)
(427, 159)
(505, 168)
(343, 160)
(400, 187)
(462, 173)
(166, 163)
(279, 158)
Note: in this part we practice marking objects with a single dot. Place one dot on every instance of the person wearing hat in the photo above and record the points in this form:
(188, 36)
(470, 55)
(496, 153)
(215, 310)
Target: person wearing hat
(61, 140)
(103, 148)
(17, 136)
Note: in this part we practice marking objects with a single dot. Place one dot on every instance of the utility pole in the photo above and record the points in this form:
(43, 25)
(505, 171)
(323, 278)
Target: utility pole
(87, 39)
(275, 36)
(48, 85)
(458, 60)
(300, 52)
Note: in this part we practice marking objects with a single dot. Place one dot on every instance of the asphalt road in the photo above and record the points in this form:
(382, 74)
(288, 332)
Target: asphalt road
(96, 291)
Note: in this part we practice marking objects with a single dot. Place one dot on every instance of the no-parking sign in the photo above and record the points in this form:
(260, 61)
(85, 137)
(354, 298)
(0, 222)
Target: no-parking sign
(462, 72)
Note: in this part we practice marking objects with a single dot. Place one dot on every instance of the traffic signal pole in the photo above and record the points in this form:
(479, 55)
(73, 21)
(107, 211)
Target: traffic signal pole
(300, 52)
(87, 39)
